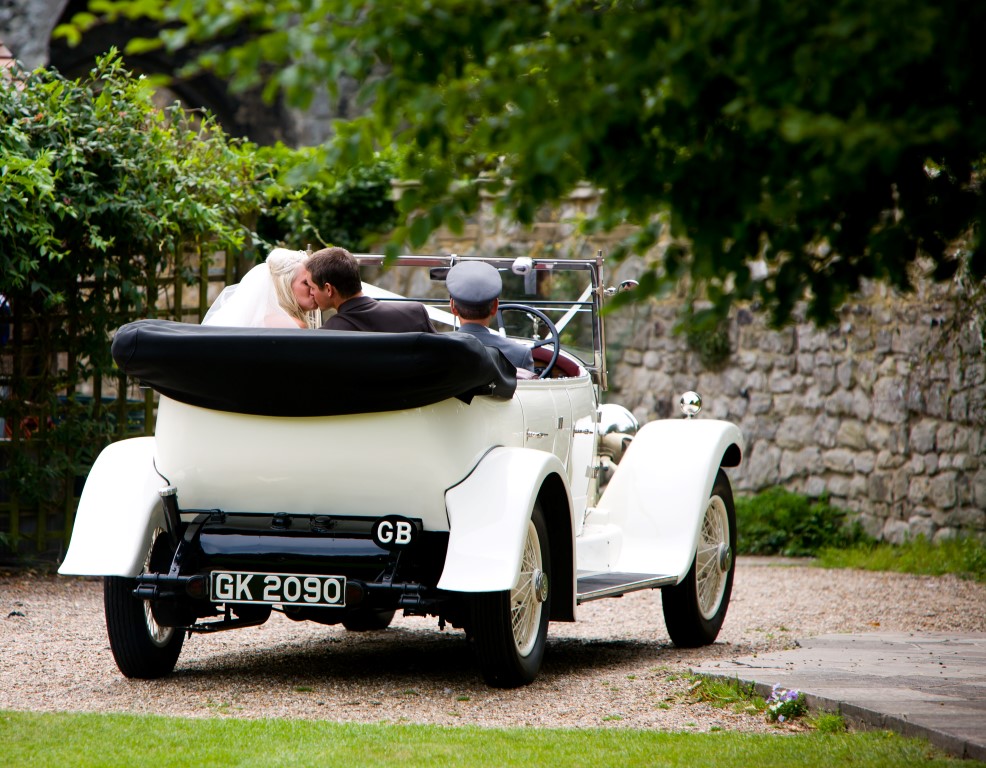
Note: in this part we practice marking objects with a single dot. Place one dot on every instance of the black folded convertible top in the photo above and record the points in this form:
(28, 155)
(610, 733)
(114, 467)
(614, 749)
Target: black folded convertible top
(287, 372)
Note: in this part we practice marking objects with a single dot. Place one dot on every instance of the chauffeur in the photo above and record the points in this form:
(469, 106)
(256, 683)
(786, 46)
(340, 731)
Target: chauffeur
(474, 289)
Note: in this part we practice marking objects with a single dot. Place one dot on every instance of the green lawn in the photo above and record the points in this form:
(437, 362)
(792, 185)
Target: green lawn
(37, 740)
(965, 557)
(779, 522)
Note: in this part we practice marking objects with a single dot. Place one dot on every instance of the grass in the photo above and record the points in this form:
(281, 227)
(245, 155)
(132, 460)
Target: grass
(964, 557)
(724, 693)
(43, 740)
(742, 697)
(779, 522)
(827, 722)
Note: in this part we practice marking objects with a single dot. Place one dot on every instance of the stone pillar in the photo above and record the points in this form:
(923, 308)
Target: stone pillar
(26, 26)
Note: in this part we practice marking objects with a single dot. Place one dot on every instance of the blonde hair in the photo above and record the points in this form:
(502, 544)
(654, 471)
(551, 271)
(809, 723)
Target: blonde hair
(284, 265)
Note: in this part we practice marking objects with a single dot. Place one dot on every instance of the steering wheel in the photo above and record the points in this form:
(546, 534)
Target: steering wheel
(551, 338)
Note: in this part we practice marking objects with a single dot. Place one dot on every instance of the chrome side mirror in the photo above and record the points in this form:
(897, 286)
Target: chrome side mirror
(626, 285)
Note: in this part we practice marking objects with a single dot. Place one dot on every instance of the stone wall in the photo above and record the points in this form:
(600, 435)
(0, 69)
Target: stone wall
(25, 28)
(885, 411)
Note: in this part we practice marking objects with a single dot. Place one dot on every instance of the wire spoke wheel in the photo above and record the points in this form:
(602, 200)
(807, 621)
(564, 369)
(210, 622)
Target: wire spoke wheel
(695, 608)
(711, 566)
(525, 607)
(142, 648)
(509, 629)
(158, 635)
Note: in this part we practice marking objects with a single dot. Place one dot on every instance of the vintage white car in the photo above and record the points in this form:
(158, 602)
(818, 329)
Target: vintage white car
(340, 477)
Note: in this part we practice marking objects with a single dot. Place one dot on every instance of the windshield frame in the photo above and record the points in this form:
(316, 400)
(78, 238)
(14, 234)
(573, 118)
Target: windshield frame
(590, 299)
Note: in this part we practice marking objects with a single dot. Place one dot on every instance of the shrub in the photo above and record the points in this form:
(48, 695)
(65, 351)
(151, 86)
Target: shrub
(311, 204)
(779, 522)
(101, 193)
(105, 200)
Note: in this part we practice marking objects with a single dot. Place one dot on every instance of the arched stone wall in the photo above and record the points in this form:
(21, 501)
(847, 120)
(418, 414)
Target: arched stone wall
(26, 27)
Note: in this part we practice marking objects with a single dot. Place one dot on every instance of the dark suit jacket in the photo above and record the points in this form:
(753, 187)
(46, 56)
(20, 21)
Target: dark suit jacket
(363, 313)
(516, 353)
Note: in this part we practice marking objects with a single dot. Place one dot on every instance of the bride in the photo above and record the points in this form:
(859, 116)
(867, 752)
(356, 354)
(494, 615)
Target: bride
(274, 294)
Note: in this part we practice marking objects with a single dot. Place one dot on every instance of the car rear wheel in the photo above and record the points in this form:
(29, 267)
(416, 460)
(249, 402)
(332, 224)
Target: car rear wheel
(695, 608)
(142, 648)
(509, 629)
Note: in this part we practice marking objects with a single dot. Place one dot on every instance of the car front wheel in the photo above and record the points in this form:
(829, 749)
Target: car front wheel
(695, 608)
(509, 629)
(142, 648)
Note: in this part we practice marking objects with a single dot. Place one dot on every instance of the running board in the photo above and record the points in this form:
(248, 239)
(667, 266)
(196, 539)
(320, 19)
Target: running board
(597, 585)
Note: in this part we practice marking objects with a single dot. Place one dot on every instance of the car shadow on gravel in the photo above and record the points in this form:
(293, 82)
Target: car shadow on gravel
(407, 658)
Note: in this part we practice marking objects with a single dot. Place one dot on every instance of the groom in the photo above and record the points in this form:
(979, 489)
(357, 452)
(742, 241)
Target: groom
(334, 277)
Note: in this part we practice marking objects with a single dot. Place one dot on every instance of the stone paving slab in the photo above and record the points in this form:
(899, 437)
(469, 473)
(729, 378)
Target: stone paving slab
(931, 686)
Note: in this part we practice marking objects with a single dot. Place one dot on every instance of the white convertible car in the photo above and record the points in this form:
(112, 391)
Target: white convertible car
(341, 477)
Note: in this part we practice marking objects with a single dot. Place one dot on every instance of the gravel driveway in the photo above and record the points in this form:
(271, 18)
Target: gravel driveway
(615, 667)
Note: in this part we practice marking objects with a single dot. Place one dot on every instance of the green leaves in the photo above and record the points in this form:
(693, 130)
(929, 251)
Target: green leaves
(27, 193)
(94, 180)
(771, 132)
(310, 200)
(778, 522)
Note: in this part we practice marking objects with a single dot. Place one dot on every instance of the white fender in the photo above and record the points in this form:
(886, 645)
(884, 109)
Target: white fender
(660, 490)
(118, 512)
(488, 516)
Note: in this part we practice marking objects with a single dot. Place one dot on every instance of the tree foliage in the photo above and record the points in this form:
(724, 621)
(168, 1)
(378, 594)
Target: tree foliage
(311, 204)
(100, 183)
(825, 140)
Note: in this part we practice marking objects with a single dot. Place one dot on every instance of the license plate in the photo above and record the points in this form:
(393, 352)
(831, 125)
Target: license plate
(277, 588)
